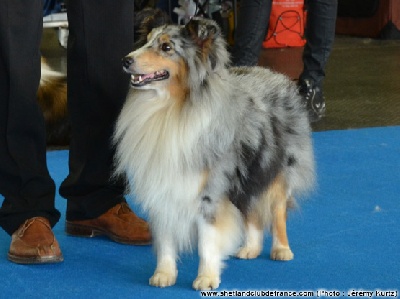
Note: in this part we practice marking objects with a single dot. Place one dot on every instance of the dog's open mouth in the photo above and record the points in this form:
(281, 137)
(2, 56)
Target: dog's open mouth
(143, 79)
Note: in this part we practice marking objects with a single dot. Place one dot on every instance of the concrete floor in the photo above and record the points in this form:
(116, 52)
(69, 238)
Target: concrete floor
(362, 86)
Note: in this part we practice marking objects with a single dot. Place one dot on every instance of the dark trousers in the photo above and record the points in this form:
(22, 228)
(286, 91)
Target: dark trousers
(320, 35)
(320, 32)
(25, 182)
(252, 26)
(100, 35)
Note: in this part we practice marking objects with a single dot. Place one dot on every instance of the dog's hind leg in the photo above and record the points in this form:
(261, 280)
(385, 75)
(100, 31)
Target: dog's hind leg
(218, 238)
(280, 244)
(254, 233)
(269, 211)
(166, 271)
(278, 196)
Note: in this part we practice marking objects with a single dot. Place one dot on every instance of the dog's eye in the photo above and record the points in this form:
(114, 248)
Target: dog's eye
(166, 47)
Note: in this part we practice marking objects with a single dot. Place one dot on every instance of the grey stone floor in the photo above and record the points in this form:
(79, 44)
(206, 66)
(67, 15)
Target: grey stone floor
(362, 85)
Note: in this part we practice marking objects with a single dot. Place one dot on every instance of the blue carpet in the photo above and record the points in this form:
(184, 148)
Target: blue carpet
(345, 236)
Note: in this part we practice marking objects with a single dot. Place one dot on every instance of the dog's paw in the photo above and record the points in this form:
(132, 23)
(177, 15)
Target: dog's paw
(162, 279)
(282, 254)
(248, 252)
(206, 282)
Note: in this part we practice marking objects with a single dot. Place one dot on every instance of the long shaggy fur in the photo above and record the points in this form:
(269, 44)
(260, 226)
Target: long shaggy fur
(213, 154)
(52, 99)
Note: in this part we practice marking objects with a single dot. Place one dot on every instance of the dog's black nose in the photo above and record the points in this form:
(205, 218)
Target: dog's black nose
(127, 62)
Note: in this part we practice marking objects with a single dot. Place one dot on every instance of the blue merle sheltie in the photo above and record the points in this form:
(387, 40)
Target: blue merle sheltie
(214, 155)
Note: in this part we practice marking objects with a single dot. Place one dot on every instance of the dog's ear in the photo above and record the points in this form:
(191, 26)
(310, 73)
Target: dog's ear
(201, 31)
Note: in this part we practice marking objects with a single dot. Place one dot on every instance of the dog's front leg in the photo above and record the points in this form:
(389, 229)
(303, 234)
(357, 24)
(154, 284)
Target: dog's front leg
(166, 271)
(210, 257)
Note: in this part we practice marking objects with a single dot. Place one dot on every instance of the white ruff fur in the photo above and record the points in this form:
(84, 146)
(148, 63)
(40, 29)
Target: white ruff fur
(160, 139)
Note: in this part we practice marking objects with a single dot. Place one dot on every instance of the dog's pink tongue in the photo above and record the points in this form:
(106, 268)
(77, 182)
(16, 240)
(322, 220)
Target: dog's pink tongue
(146, 76)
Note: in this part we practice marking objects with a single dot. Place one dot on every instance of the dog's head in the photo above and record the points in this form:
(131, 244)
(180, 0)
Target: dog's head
(178, 55)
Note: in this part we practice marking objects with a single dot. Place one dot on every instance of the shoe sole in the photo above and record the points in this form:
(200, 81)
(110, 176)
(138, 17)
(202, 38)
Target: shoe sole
(30, 260)
(78, 230)
(314, 116)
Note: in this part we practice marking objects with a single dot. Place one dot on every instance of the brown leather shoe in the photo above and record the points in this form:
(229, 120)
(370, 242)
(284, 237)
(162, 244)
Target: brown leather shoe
(34, 243)
(119, 223)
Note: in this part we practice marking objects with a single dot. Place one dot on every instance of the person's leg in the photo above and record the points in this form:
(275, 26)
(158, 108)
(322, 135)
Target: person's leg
(27, 212)
(25, 182)
(250, 32)
(101, 34)
(320, 35)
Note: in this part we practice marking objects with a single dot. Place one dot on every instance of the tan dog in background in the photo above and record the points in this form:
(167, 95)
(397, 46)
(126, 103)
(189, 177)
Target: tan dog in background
(52, 99)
